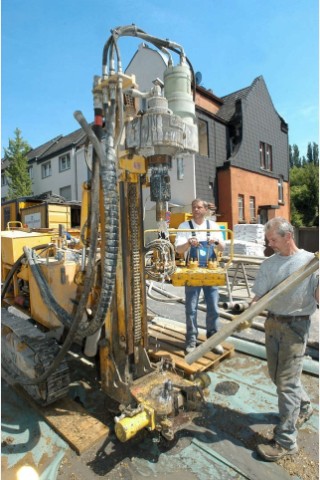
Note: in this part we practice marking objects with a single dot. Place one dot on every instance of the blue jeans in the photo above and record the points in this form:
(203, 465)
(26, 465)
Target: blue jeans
(211, 295)
(285, 344)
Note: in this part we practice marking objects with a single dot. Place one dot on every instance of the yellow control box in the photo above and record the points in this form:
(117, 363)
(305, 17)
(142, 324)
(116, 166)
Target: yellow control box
(199, 277)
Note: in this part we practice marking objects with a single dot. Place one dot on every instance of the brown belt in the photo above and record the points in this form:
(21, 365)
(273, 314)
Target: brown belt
(288, 318)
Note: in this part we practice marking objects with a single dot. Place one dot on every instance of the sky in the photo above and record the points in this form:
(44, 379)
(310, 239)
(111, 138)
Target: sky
(51, 50)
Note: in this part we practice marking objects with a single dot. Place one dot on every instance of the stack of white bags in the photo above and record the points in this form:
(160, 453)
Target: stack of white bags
(249, 240)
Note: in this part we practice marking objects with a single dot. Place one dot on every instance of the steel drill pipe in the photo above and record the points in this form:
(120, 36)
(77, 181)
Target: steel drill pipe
(241, 306)
(248, 315)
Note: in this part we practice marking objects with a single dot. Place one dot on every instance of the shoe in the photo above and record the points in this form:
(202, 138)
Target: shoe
(190, 348)
(273, 451)
(303, 417)
(218, 349)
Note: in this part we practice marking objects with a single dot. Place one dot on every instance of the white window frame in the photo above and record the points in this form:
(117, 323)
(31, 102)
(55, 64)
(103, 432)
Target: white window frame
(64, 162)
(241, 208)
(252, 207)
(280, 190)
(46, 170)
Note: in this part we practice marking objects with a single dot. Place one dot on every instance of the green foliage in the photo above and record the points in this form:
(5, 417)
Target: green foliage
(294, 156)
(19, 182)
(304, 188)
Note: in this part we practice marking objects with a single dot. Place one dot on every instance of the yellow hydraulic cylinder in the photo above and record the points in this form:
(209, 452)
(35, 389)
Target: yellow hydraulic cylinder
(128, 427)
(86, 192)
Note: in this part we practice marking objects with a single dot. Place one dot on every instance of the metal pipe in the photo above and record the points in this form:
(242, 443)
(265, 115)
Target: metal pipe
(228, 305)
(248, 315)
(256, 350)
(241, 306)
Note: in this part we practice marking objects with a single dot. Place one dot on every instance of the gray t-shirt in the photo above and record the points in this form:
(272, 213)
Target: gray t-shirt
(297, 301)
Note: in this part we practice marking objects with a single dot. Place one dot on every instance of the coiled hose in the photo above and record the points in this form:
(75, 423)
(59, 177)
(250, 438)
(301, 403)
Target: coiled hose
(110, 234)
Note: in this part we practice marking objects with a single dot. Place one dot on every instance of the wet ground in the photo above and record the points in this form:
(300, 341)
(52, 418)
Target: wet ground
(219, 441)
(216, 442)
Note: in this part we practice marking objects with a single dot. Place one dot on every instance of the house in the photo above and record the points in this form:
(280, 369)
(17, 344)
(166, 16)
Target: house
(253, 182)
(242, 165)
(56, 168)
(244, 155)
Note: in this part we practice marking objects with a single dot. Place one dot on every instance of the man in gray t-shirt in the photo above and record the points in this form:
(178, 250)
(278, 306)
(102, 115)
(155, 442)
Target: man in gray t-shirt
(286, 328)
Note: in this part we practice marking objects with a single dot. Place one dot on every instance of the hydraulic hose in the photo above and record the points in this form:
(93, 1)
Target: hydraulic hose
(133, 31)
(15, 268)
(45, 291)
(161, 44)
(110, 234)
(111, 226)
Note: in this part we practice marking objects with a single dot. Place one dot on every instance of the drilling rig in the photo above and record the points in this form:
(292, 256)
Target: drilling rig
(95, 295)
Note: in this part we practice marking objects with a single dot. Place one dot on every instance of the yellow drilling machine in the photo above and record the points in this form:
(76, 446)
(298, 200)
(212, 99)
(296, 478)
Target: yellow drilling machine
(54, 296)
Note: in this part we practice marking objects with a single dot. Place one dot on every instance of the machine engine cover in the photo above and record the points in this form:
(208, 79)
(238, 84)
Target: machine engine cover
(161, 134)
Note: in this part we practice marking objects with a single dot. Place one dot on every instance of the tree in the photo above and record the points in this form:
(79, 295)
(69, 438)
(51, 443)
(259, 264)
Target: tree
(294, 156)
(304, 189)
(310, 153)
(315, 153)
(19, 182)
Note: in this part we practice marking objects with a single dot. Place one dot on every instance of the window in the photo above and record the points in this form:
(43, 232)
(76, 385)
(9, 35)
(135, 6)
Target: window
(252, 207)
(66, 192)
(203, 138)
(262, 155)
(4, 180)
(280, 190)
(46, 170)
(241, 208)
(266, 156)
(64, 163)
(180, 168)
(30, 172)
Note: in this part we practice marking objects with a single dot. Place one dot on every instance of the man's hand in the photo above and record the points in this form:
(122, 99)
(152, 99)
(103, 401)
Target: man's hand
(193, 241)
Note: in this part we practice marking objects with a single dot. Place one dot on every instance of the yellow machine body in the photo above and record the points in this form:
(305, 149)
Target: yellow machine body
(60, 275)
(95, 295)
(13, 241)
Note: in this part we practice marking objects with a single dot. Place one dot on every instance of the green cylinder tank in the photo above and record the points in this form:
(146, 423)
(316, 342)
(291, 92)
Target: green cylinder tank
(177, 90)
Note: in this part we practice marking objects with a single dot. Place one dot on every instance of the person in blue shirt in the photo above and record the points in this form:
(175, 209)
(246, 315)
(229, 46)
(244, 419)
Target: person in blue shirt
(200, 245)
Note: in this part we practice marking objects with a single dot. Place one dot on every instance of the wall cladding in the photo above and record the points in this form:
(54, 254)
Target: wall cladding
(206, 167)
(261, 123)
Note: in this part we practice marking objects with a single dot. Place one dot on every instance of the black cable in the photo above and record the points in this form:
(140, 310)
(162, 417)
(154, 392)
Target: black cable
(15, 267)
(45, 292)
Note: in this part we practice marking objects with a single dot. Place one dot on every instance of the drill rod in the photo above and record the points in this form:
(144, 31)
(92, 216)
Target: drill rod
(245, 319)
